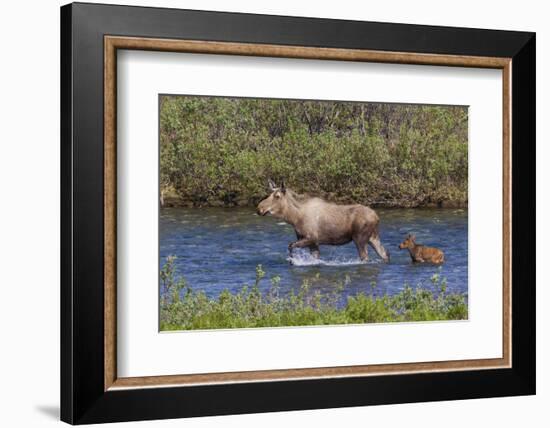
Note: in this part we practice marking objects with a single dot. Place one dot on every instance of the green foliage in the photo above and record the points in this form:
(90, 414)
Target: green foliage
(221, 151)
(186, 309)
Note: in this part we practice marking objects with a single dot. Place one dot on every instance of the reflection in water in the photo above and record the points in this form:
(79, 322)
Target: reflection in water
(219, 248)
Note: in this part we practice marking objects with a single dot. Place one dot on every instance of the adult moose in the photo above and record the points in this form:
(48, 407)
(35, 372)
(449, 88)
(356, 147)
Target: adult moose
(318, 222)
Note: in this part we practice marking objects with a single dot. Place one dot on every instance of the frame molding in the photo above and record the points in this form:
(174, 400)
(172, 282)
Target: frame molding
(114, 43)
(90, 391)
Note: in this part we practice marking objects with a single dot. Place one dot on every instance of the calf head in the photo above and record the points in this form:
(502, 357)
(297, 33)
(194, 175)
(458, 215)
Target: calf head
(409, 242)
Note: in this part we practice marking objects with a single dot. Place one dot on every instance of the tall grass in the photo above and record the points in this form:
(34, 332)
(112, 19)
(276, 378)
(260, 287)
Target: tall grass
(182, 308)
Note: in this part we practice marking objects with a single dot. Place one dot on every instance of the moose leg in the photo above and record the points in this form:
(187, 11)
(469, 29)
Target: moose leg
(300, 243)
(374, 241)
(361, 245)
(314, 250)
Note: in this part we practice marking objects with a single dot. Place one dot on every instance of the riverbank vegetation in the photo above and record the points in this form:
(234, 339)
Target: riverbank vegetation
(262, 304)
(221, 151)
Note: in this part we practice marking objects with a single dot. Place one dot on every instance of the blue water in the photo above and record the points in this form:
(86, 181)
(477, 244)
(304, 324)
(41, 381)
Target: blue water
(219, 248)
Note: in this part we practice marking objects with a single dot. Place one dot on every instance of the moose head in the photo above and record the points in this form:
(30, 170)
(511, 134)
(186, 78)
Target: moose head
(276, 203)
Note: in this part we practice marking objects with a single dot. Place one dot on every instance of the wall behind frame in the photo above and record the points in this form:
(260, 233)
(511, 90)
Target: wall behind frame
(29, 220)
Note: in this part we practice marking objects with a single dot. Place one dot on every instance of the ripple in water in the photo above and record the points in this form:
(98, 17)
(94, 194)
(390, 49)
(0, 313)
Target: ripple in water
(219, 248)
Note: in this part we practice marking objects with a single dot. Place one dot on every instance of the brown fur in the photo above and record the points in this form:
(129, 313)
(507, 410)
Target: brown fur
(318, 222)
(420, 253)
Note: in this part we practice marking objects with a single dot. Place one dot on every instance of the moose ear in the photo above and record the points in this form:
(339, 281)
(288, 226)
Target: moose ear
(413, 237)
(283, 188)
(272, 185)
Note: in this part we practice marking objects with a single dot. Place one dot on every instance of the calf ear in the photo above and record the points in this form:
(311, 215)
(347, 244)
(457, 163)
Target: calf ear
(283, 188)
(271, 184)
(413, 237)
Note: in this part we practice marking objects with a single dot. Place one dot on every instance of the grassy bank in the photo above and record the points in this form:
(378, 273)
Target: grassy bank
(182, 308)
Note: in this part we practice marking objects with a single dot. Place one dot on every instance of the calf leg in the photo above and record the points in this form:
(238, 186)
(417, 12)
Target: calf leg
(374, 241)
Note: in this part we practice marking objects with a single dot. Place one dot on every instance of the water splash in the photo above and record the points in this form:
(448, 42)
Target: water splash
(306, 259)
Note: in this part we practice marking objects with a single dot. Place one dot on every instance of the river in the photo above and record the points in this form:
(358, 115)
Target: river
(219, 248)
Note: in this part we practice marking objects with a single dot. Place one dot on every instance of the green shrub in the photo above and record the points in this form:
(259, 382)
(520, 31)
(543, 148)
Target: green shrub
(182, 308)
(222, 150)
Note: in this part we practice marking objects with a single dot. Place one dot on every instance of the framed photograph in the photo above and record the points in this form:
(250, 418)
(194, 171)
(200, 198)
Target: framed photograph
(266, 213)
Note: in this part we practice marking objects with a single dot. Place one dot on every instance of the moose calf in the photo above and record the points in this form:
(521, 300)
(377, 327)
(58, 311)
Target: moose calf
(318, 222)
(420, 253)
